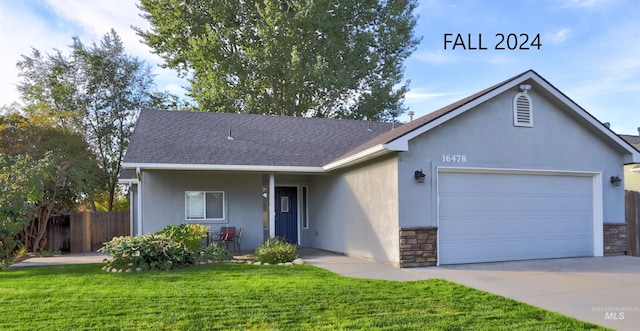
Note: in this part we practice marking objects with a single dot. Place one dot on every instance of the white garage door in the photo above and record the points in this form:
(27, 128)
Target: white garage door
(486, 217)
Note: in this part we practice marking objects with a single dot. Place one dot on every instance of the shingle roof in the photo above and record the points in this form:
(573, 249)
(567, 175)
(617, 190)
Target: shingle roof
(632, 140)
(202, 138)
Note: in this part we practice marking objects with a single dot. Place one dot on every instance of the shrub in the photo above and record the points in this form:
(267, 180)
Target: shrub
(147, 252)
(189, 234)
(214, 252)
(275, 250)
(20, 254)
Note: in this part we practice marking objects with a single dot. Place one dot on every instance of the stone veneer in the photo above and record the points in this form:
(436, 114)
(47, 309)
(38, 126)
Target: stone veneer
(418, 247)
(615, 238)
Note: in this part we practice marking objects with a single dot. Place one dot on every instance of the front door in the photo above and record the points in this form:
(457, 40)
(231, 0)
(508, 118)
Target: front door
(287, 214)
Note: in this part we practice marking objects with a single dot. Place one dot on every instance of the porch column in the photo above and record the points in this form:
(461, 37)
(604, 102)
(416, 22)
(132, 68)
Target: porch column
(139, 175)
(272, 205)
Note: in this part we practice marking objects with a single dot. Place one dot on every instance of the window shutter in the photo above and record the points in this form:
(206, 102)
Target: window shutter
(522, 110)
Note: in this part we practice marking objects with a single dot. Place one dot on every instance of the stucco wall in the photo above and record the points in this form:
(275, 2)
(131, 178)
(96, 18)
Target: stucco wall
(163, 200)
(487, 138)
(356, 211)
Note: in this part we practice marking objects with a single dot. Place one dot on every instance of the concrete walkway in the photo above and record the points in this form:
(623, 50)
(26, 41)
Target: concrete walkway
(83, 258)
(600, 290)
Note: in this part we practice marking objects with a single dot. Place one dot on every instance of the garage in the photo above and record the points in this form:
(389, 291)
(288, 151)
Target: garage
(505, 216)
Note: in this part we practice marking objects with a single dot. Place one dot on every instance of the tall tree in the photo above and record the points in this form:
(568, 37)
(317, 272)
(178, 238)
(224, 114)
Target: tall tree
(72, 172)
(21, 187)
(325, 58)
(97, 90)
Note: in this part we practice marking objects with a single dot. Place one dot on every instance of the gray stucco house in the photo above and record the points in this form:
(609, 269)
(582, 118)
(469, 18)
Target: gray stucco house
(517, 171)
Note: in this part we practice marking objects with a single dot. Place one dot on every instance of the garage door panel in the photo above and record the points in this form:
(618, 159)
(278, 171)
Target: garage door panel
(501, 217)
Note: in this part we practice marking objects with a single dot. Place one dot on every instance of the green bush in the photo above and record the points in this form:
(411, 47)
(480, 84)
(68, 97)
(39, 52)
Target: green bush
(189, 234)
(147, 252)
(275, 250)
(214, 252)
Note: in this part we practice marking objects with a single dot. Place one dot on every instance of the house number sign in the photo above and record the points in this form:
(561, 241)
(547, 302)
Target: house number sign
(454, 158)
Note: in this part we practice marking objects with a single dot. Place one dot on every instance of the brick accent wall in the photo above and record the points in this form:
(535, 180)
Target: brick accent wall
(615, 238)
(418, 247)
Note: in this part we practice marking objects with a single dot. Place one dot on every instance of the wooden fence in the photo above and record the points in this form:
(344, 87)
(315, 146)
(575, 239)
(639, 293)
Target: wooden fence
(88, 230)
(58, 234)
(85, 231)
(632, 212)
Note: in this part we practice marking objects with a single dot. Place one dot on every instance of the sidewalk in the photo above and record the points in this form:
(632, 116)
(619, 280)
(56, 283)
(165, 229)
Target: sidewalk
(81, 258)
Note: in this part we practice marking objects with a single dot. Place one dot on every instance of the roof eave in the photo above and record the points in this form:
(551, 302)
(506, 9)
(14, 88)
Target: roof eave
(367, 154)
(127, 181)
(221, 167)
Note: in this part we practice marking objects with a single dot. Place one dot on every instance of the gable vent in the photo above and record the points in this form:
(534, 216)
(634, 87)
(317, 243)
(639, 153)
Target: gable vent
(522, 108)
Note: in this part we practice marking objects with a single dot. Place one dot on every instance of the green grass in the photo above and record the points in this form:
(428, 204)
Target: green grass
(240, 297)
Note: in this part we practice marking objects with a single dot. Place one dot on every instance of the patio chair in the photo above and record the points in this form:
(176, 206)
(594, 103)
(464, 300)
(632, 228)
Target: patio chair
(227, 235)
(236, 242)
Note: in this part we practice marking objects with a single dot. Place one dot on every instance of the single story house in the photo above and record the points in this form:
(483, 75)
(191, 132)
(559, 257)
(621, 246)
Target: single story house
(517, 171)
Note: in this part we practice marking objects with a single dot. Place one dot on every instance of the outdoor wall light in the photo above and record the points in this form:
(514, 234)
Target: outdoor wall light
(419, 175)
(615, 180)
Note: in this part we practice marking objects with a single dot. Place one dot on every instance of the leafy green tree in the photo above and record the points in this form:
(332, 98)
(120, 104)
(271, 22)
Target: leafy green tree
(324, 58)
(71, 171)
(21, 187)
(96, 90)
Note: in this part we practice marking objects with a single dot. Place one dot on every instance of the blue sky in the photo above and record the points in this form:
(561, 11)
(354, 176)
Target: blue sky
(590, 49)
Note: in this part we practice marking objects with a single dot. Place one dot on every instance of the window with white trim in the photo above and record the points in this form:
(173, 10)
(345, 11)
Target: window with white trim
(204, 205)
(522, 110)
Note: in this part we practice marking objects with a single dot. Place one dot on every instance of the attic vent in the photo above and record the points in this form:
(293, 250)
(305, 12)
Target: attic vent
(522, 108)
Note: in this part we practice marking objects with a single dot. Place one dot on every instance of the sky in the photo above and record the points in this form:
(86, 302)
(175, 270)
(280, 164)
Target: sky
(589, 49)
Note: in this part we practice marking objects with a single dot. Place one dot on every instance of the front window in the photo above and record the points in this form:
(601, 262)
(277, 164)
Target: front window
(204, 205)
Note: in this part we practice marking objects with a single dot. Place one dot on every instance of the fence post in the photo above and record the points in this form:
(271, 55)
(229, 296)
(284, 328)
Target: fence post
(632, 214)
(86, 235)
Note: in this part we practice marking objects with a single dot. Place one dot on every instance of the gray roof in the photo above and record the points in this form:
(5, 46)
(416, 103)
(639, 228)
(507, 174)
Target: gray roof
(201, 138)
(631, 139)
(177, 137)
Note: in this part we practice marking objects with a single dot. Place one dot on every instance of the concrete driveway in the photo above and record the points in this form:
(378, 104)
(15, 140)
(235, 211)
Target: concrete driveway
(600, 290)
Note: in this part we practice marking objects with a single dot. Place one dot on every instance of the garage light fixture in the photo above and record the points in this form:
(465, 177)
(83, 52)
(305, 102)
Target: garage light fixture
(615, 180)
(419, 175)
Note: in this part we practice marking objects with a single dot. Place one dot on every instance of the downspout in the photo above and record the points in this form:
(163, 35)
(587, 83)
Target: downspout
(139, 210)
(131, 211)
(272, 206)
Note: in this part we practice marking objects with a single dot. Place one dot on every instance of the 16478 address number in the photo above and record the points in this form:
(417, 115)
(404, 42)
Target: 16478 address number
(454, 158)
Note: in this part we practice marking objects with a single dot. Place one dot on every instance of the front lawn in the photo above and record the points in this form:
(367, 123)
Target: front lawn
(239, 297)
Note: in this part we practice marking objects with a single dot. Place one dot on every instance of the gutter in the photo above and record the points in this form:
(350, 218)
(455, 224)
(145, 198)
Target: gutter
(219, 167)
(367, 154)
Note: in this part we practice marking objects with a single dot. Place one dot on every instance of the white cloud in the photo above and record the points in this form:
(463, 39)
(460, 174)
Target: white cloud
(436, 57)
(587, 4)
(95, 18)
(21, 30)
(421, 94)
(558, 37)
(52, 23)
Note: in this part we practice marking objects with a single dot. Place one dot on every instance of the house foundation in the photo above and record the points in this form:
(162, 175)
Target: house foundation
(615, 239)
(418, 247)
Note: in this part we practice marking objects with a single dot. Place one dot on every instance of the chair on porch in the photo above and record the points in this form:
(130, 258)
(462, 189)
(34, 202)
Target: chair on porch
(227, 235)
(238, 238)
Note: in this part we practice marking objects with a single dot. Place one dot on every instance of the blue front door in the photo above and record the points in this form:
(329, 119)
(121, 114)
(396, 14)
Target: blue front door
(287, 213)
